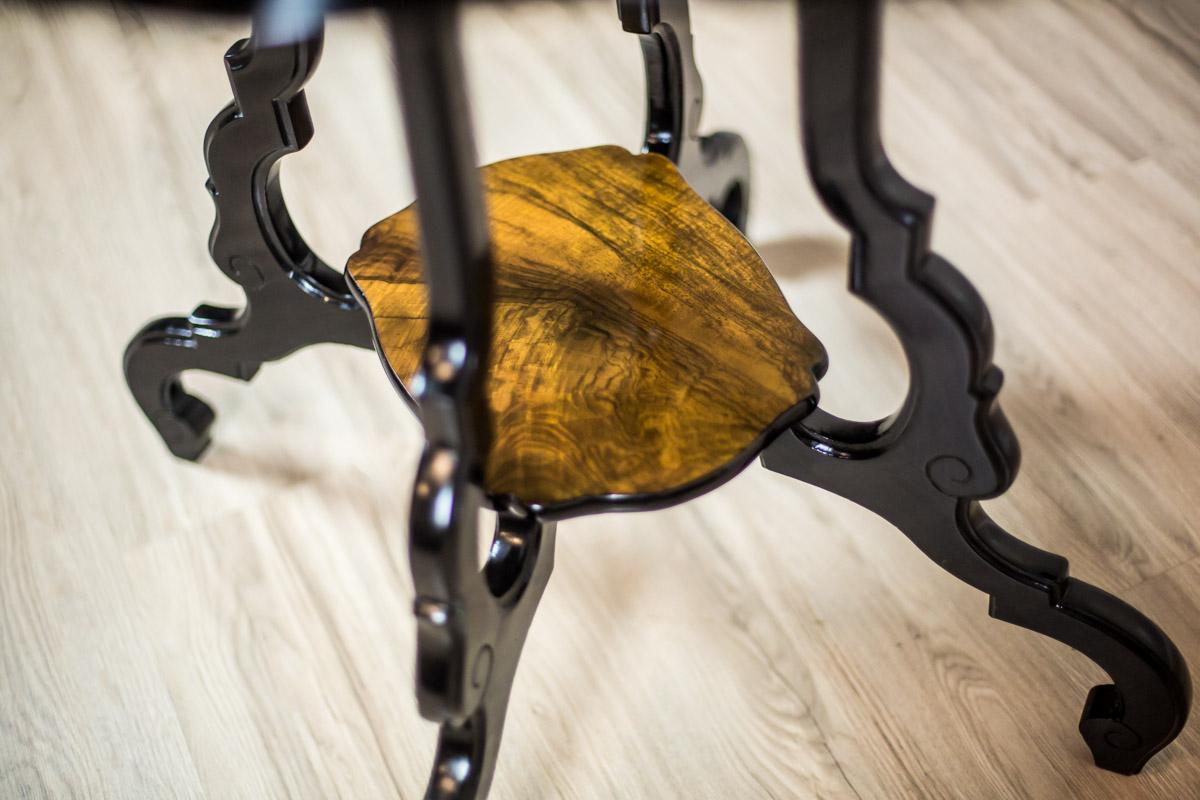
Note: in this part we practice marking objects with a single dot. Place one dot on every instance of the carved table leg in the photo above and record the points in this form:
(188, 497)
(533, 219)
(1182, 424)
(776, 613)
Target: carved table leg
(471, 624)
(925, 468)
(717, 166)
(469, 646)
(292, 298)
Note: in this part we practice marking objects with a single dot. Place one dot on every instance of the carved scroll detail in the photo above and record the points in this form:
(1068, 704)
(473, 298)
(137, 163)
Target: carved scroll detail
(949, 445)
(293, 299)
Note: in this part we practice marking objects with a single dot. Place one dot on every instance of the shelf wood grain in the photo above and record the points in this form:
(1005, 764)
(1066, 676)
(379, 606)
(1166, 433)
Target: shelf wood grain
(640, 349)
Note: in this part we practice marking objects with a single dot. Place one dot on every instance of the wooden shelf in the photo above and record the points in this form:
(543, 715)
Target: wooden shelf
(640, 350)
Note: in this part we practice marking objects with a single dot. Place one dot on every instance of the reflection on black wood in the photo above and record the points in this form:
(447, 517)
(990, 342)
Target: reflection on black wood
(717, 166)
(471, 623)
(949, 445)
(292, 298)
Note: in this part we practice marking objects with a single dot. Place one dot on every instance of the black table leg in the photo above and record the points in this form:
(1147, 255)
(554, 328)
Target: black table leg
(293, 299)
(925, 467)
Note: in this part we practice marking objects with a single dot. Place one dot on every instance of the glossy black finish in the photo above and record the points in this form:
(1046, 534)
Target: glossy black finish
(949, 445)
(471, 627)
(717, 166)
(292, 298)
(471, 623)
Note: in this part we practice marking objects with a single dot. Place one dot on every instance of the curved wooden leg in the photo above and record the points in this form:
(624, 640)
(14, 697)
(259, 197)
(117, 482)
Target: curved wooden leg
(1124, 723)
(471, 623)
(468, 646)
(925, 467)
(717, 166)
(292, 298)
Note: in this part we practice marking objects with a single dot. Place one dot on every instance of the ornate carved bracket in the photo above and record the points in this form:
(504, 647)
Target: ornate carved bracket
(293, 299)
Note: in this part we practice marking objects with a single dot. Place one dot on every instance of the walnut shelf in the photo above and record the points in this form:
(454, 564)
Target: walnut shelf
(640, 351)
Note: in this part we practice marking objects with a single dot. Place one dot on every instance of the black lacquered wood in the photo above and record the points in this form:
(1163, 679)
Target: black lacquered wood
(293, 299)
(471, 623)
(454, 234)
(717, 166)
(925, 468)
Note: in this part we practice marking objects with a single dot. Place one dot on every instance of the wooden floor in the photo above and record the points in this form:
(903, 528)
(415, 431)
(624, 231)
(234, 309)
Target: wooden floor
(240, 628)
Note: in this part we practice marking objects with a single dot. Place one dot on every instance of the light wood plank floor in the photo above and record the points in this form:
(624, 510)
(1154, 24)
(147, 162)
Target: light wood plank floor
(241, 627)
